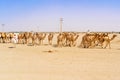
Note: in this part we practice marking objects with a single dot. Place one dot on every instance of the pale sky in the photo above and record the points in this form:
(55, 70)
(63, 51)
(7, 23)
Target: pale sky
(44, 15)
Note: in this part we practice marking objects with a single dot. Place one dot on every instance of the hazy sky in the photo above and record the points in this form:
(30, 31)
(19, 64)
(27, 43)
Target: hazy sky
(44, 15)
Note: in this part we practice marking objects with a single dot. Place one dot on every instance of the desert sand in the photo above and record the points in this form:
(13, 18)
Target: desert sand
(66, 63)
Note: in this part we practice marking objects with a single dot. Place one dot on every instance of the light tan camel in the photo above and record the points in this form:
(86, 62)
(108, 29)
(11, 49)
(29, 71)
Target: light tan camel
(50, 38)
(73, 40)
(23, 37)
(41, 37)
(34, 38)
(20, 38)
(60, 40)
(106, 40)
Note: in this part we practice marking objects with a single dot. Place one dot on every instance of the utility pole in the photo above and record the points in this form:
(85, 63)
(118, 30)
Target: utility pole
(61, 21)
(3, 27)
(37, 28)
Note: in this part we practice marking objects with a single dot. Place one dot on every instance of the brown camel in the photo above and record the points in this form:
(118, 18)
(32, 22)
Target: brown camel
(9, 37)
(92, 40)
(3, 36)
(0, 37)
(68, 39)
(22, 37)
(89, 40)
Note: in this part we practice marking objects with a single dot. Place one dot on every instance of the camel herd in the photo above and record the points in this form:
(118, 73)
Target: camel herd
(89, 40)
(67, 39)
(96, 39)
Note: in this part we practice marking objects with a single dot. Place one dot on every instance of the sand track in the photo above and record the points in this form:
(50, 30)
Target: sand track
(67, 63)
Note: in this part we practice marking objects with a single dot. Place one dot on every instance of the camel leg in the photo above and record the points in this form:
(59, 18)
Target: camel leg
(81, 44)
(40, 42)
(58, 43)
(74, 44)
(26, 41)
(50, 42)
(109, 45)
(106, 44)
(101, 45)
(33, 42)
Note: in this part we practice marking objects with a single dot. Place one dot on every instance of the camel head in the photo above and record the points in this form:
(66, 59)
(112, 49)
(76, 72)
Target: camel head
(113, 37)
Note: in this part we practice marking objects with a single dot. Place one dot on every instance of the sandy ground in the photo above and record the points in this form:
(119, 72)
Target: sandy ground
(67, 63)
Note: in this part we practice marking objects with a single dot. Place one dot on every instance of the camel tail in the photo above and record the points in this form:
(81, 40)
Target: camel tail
(113, 37)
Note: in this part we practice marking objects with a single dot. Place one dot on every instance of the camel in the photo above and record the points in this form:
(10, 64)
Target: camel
(85, 43)
(6, 37)
(73, 40)
(9, 37)
(105, 39)
(89, 40)
(26, 36)
(29, 38)
(3, 36)
(92, 40)
(0, 37)
(50, 37)
(68, 39)
(41, 37)
(60, 40)
(20, 38)
(34, 38)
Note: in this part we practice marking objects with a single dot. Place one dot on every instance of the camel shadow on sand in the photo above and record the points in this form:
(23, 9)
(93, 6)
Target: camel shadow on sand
(55, 45)
(50, 51)
(118, 48)
(11, 47)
